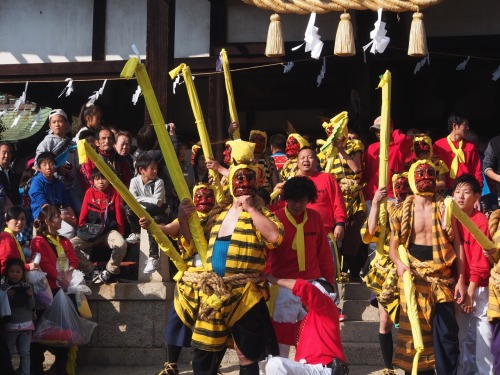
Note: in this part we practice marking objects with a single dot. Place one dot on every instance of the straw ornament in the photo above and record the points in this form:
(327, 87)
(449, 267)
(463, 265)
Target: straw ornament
(344, 40)
(417, 46)
(275, 45)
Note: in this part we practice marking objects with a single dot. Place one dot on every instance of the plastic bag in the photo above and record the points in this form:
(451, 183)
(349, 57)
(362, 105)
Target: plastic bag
(60, 324)
(41, 289)
(78, 287)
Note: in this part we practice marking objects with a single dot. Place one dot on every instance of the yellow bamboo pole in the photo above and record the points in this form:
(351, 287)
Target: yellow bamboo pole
(383, 176)
(233, 113)
(84, 149)
(200, 121)
(167, 148)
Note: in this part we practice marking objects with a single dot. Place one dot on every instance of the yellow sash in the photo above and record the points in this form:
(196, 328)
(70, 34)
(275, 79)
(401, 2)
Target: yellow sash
(459, 157)
(298, 243)
(55, 241)
(18, 245)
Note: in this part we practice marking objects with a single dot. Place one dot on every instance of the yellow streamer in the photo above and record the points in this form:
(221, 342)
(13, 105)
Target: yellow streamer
(233, 113)
(452, 208)
(160, 237)
(339, 131)
(200, 121)
(167, 148)
(411, 306)
(383, 175)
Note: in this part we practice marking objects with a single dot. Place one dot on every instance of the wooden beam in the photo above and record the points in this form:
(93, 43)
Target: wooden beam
(99, 30)
(216, 124)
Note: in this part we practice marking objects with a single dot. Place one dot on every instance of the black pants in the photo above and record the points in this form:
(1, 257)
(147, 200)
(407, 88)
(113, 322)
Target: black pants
(445, 331)
(133, 221)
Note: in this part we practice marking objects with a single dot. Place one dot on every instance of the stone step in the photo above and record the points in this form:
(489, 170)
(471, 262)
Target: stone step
(366, 353)
(354, 291)
(361, 332)
(359, 310)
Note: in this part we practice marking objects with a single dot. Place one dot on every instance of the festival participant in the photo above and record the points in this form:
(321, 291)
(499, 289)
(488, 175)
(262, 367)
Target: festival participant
(459, 155)
(53, 250)
(294, 143)
(105, 142)
(263, 159)
(381, 279)
(399, 149)
(177, 334)
(474, 329)
(417, 226)
(494, 290)
(422, 149)
(199, 164)
(47, 189)
(277, 143)
(316, 337)
(347, 168)
(64, 149)
(88, 119)
(293, 259)
(330, 203)
(239, 229)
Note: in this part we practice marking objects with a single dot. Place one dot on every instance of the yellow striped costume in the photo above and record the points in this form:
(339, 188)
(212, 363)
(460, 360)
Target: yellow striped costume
(349, 182)
(432, 282)
(246, 255)
(289, 170)
(494, 284)
(267, 164)
(382, 278)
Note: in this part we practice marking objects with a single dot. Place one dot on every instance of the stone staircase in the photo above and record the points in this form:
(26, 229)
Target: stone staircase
(360, 330)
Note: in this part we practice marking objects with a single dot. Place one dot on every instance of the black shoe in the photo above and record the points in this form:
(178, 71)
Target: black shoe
(339, 368)
(105, 277)
(92, 275)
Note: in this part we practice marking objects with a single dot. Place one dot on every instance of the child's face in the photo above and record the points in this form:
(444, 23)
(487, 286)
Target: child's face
(57, 124)
(17, 225)
(15, 273)
(151, 172)
(48, 168)
(93, 120)
(100, 183)
(465, 197)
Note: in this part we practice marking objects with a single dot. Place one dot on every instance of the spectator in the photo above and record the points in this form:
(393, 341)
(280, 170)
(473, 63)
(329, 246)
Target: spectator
(122, 148)
(89, 119)
(54, 249)
(149, 191)
(199, 166)
(64, 150)
(277, 142)
(8, 178)
(47, 189)
(116, 162)
(491, 162)
(459, 155)
(102, 206)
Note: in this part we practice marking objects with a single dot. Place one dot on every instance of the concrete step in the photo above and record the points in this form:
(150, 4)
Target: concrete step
(361, 332)
(359, 310)
(354, 291)
(366, 353)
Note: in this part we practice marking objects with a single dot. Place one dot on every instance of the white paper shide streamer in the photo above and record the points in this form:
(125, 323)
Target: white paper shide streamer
(322, 72)
(136, 95)
(287, 68)
(379, 37)
(136, 51)
(22, 99)
(495, 74)
(96, 94)
(37, 118)
(421, 63)
(68, 89)
(463, 64)
(312, 39)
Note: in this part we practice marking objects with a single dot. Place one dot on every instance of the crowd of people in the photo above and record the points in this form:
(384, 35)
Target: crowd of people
(283, 229)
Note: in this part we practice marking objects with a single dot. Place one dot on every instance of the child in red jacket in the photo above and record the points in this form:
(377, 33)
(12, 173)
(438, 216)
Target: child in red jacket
(102, 206)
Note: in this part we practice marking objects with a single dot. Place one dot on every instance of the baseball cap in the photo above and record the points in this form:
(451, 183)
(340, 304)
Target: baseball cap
(58, 112)
(376, 124)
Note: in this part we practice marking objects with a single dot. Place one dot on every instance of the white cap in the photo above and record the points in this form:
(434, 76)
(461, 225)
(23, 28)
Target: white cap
(58, 112)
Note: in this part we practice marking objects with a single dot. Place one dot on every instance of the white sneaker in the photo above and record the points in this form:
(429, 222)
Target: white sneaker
(151, 265)
(133, 238)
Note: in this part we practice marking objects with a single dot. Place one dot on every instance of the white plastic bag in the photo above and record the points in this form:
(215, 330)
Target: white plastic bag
(78, 287)
(41, 289)
(60, 324)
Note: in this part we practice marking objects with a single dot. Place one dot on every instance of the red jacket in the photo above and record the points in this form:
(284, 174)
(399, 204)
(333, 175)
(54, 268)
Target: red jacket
(472, 163)
(317, 336)
(49, 257)
(94, 207)
(399, 149)
(8, 250)
(330, 203)
(476, 266)
(282, 261)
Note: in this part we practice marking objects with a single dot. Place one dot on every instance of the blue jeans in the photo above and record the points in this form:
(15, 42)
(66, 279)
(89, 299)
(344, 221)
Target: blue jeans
(20, 340)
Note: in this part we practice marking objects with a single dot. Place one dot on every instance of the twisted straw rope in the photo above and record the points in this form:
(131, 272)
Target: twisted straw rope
(325, 6)
(211, 283)
(495, 280)
(387, 294)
